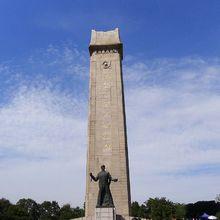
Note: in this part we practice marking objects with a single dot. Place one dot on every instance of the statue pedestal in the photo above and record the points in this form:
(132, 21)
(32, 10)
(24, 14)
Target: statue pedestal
(105, 214)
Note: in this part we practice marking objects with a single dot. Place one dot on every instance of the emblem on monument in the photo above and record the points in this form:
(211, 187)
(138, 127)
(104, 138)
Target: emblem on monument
(106, 64)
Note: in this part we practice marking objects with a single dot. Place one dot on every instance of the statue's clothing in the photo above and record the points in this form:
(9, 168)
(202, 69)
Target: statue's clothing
(104, 196)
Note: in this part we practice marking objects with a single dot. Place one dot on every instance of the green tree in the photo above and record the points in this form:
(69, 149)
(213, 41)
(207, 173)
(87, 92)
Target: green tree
(180, 211)
(160, 209)
(15, 212)
(66, 212)
(30, 207)
(218, 215)
(143, 211)
(195, 210)
(78, 212)
(139, 211)
(135, 209)
(4, 205)
(49, 210)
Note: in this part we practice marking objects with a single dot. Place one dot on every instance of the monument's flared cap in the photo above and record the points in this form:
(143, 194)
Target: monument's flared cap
(105, 39)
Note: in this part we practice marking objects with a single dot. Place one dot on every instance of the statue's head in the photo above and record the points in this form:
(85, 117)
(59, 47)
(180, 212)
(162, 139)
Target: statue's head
(103, 167)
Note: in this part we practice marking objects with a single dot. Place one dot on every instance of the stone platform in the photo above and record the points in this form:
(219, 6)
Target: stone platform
(118, 217)
(105, 214)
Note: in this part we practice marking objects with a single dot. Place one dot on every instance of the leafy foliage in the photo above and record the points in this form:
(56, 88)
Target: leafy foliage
(163, 209)
(160, 208)
(197, 209)
(4, 205)
(138, 211)
(28, 209)
(49, 210)
(31, 208)
(153, 208)
(218, 215)
(180, 211)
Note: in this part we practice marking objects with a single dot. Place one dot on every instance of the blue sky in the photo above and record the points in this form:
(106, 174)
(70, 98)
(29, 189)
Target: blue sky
(171, 75)
(154, 28)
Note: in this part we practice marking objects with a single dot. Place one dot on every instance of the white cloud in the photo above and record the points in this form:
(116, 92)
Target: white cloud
(172, 110)
(173, 128)
(43, 146)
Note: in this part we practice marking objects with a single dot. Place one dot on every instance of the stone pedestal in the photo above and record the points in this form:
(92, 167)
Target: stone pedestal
(105, 214)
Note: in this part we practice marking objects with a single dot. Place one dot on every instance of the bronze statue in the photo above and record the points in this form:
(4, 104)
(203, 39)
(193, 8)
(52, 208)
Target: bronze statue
(104, 196)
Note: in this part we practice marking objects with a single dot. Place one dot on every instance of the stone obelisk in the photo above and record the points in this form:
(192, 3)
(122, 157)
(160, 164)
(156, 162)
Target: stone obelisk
(107, 141)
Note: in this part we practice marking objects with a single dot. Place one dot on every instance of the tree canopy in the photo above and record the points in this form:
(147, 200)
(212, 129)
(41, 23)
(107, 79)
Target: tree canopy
(164, 209)
(28, 209)
(153, 208)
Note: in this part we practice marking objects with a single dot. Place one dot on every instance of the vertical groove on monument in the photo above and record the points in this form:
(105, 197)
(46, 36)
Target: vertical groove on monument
(107, 140)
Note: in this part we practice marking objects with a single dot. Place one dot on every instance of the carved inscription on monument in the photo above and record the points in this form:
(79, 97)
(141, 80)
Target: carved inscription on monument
(106, 107)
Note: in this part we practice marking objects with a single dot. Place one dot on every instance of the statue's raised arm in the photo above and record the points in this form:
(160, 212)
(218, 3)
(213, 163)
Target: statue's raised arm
(93, 177)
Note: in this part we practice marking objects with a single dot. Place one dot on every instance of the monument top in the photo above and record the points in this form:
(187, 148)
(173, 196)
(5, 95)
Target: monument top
(99, 38)
(106, 40)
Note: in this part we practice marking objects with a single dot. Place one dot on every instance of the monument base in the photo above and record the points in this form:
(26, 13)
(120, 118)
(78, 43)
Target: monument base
(105, 214)
(118, 217)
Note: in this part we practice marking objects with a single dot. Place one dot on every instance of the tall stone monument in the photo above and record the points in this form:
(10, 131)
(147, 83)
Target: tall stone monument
(107, 140)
